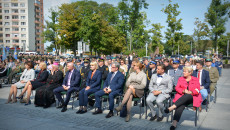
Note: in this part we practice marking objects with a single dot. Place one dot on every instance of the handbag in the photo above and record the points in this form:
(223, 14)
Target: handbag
(123, 112)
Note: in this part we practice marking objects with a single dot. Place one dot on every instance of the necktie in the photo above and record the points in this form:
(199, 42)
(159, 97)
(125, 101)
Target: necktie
(159, 76)
(199, 75)
(112, 77)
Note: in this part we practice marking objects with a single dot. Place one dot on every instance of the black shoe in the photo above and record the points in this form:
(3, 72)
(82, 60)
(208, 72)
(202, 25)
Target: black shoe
(172, 127)
(135, 103)
(160, 118)
(110, 114)
(166, 110)
(79, 111)
(46, 106)
(83, 111)
(60, 106)
(153, 118)
(64, 109)
(99, 111)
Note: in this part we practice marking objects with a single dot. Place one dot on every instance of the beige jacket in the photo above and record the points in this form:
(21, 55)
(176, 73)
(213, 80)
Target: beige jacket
(138, 81)
(213, 74)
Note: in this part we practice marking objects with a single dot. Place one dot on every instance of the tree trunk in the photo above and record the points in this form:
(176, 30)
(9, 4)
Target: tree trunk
(74, 52)
(131, 39)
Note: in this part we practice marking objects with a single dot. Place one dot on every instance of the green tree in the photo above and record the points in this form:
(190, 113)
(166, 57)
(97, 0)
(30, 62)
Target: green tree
(217, 17)
(222, 42)
(157, 37)
(50, 34)
(173, 35)
(201, 32)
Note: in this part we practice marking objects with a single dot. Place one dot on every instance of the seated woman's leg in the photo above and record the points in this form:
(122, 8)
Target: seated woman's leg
(185, 99)
(25, 89)
(129, 105)
(178, 114)
(125, 99)
(81, 98)
(86, 94)
(29, 89)
(10, 94)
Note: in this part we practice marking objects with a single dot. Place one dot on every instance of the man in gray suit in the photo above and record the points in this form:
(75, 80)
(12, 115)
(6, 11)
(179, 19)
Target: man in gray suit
(160, 87)
(175, 73)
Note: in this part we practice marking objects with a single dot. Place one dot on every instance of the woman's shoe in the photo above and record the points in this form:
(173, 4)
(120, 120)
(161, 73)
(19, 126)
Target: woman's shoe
(28, 103)
(172, 127)
(8, 101)
(20, 97)
(127, 118)
(119, 108)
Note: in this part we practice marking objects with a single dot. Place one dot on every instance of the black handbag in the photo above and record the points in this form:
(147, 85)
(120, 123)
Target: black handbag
(123, 112)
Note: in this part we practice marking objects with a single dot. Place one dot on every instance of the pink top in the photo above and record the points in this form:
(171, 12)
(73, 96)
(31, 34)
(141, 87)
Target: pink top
(194, 86)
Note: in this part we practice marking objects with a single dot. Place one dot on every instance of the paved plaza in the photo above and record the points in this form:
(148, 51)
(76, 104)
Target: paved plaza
(19, 117)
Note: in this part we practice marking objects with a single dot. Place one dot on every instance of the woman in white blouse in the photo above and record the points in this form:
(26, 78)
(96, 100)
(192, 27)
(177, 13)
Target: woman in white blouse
(27, 75)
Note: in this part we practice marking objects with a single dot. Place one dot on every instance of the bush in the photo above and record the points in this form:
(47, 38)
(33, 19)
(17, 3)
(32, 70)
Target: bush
(226, 61)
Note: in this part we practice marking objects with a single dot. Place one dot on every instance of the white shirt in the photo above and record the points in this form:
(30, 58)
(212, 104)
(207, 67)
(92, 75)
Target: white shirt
(159, 80)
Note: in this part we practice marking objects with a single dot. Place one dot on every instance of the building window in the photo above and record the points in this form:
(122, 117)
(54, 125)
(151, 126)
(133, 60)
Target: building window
(14, 10)
(1, 35)
(23, 41)
(23, 11)
(0, 11)
(15, 29)
(14, 23)
(7, 17)
(37, 41)
(6, 11)
(0, 16)
(14, 4)
(23, 35)
(1, 41)
(15, 41)
(7, 35)
(23, 29)
(7, 41)
(6, 4)
(23, 17)
(7, 29)
(22, 5)
(15, 35)
(0, 23)
(15, 17)
(0, 29)
(23, 23)
(7, 23)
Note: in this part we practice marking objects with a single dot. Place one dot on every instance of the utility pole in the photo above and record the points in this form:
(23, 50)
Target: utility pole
(191, 47)
(227, 47)
(146, 45)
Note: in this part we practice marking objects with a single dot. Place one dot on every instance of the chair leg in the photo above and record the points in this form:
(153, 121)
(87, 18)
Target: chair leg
(215, 95)
(72, 103)
(196, 117)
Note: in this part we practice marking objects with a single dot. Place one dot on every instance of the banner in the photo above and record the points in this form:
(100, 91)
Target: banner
(4, 54)
(15, 53)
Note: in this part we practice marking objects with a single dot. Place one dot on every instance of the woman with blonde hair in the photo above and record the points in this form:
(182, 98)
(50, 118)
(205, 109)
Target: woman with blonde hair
(93, 84)
(34, 84)
(188, 91)
(135, 88)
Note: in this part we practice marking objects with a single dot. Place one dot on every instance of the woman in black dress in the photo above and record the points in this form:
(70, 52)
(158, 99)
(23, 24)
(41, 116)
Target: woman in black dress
(34, 84)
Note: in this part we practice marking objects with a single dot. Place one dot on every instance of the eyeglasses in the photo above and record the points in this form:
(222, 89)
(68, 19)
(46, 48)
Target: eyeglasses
(113, 67)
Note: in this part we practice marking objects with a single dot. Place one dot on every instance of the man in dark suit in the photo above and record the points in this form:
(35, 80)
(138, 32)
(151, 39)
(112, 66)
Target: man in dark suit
(103, 68)
(112, 86)
(70, 84)
(151, 69)
(204, 80)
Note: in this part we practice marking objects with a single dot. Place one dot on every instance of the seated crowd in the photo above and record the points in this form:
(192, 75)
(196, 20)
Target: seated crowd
(156, 80)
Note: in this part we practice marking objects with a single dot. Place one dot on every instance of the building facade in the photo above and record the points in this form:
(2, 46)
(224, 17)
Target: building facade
(21, 24)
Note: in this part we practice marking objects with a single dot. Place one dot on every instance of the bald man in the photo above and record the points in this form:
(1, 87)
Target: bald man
(70, 84)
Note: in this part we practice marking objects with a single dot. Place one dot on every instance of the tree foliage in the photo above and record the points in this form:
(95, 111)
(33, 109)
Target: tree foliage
(157, 37)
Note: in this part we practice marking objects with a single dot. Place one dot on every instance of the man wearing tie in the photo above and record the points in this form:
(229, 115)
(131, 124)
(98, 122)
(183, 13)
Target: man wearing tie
(160, 87)
(204, 80)
(175, 73)
(113, 86)
(70, 84)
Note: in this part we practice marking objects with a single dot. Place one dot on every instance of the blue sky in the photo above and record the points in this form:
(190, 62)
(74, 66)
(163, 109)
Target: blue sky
(190, 9)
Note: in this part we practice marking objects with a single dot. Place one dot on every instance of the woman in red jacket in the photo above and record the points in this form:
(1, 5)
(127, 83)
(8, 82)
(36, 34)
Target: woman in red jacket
(188, 91)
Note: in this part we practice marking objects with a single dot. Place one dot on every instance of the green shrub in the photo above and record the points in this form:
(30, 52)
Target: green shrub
(226, 61)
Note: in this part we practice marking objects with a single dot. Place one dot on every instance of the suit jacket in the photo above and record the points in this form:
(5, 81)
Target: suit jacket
(75, 79)
(175, 75)
(205, 80)
(213, 74)
(117, 82)
(43, 76)
(194, 86)
(165, 86)
(55, 79)
(95, 82)
(28, 75)
(149, 74)
(138, 81)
